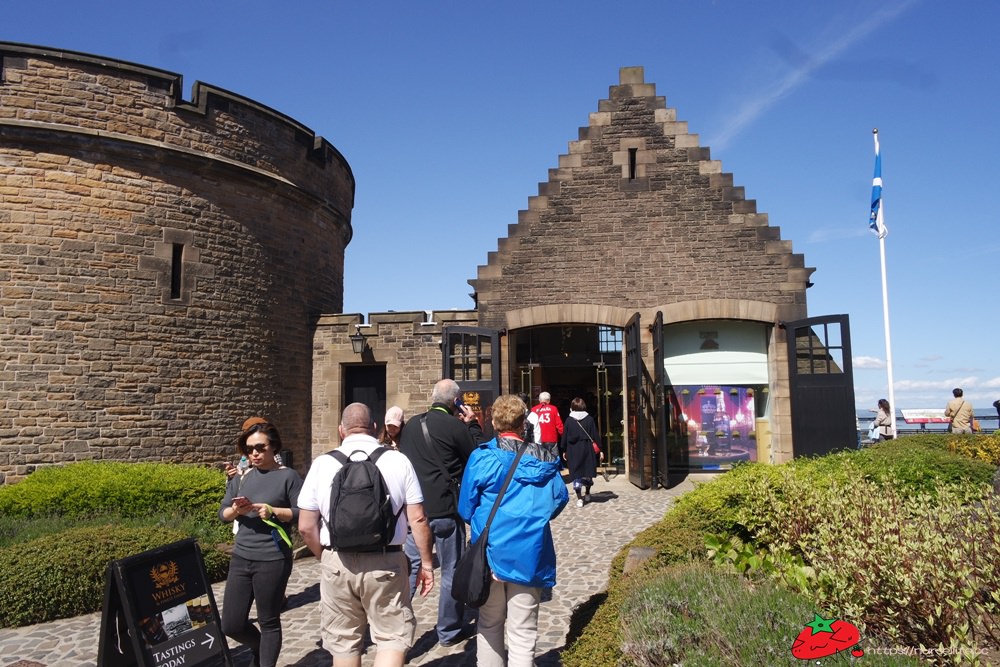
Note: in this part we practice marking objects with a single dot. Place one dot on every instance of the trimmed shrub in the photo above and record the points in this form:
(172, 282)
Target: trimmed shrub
(63, 575)
(128, 489)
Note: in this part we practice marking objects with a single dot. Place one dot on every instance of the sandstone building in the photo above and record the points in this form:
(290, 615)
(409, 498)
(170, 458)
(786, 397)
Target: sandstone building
(161, 262)
(170, 267)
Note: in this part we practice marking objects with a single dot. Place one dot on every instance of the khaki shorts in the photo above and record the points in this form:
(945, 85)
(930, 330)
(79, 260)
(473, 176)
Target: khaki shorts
(365, 589)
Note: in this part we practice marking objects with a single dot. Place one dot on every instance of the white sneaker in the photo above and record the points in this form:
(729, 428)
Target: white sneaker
(579, 502)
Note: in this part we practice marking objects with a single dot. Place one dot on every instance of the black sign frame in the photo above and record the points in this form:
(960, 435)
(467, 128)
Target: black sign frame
(159, 611)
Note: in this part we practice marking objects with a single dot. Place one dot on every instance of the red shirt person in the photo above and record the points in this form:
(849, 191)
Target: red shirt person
(547, 422)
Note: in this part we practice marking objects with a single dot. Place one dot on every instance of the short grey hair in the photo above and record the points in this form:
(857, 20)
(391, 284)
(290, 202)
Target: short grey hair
(445, 391)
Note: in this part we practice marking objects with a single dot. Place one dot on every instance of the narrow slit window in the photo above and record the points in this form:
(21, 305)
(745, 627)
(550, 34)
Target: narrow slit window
(176, 270)
(632, 152)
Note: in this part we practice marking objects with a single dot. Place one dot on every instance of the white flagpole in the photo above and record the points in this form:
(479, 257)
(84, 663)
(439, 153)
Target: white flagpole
(885, 303)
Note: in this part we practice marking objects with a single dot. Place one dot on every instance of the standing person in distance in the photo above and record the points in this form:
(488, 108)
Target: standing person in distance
(439, 458)
(528, 429)
(366, 589)
(520, 550)
(883, 420)
(264, 501)
(548, 424)
(578, 449)
(392, 426)
(960, 412)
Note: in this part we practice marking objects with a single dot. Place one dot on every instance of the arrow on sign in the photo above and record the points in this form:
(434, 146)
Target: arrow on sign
(209, 641)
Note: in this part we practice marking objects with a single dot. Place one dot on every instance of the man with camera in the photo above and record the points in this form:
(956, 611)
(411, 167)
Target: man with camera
(438, 444)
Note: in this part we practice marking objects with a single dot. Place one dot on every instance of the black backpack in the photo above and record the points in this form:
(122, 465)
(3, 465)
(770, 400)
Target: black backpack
(361, 517)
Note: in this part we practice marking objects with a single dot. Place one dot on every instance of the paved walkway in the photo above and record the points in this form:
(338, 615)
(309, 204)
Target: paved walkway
(586, 539)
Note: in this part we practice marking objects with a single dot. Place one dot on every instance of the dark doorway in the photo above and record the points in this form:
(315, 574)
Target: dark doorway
(471, 357)
(821, 380)
(570, 361)
(366, 384)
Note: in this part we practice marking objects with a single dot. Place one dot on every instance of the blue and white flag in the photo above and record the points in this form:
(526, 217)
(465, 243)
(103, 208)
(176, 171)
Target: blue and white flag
(875, 222)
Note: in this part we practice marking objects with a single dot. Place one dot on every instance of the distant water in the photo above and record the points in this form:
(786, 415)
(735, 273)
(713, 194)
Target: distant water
(987, 417)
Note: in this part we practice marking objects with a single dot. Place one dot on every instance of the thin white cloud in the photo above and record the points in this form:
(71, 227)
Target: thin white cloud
(755, 107)
(868, 363)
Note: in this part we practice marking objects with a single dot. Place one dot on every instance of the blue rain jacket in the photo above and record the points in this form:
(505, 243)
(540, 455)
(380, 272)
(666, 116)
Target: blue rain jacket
(520, 548)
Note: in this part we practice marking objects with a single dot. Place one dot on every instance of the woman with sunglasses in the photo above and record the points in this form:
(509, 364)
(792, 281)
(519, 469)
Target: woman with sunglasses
(264, 502)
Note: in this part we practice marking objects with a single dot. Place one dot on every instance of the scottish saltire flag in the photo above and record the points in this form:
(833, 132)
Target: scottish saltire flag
(875, 222)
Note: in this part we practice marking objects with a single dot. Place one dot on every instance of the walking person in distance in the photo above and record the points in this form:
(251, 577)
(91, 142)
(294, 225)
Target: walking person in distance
(580, 439)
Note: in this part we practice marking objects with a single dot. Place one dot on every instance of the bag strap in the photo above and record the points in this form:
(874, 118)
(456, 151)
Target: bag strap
(503, 489)
(578, 423)
(957, 410)
(431, 452)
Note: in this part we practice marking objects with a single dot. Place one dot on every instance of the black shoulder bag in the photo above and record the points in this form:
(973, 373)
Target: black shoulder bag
(473, 575)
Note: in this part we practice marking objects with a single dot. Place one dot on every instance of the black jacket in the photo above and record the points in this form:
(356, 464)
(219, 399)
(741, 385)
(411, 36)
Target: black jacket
(452, 441)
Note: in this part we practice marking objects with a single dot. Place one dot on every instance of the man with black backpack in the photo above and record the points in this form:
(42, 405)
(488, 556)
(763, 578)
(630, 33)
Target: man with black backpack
(352, 518)
(439, 443)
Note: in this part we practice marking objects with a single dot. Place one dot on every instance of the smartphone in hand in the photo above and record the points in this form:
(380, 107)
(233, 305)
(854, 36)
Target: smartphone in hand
(241, 501)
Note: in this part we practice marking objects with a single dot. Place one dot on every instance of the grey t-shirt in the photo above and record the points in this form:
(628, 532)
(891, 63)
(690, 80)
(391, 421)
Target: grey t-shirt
(280, 487)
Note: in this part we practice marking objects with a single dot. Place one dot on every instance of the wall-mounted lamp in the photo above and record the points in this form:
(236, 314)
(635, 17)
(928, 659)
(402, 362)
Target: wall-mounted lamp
(358, 343)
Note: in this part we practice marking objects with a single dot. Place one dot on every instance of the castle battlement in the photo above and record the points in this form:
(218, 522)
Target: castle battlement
(44, 90)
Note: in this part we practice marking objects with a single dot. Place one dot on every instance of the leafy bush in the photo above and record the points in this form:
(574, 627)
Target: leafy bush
(129, 489)
(757, 512)
(918, 570)
(62, 575)
(980, 447)
(62, 525)
(700, 616)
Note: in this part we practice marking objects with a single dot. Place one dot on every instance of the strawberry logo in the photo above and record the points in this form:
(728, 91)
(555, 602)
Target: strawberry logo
(825, 637)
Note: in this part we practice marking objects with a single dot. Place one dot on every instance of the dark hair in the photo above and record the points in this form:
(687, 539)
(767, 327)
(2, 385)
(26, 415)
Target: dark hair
(268, 429)
(524, 399)
(578, 404)
(884, 404)
(956, 392)
(383, 435)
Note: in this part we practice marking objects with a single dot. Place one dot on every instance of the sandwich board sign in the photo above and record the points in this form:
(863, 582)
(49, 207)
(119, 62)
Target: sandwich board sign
(159, 611)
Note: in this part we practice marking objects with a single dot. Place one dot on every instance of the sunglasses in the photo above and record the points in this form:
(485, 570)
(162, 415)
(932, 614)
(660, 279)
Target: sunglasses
(260, 449)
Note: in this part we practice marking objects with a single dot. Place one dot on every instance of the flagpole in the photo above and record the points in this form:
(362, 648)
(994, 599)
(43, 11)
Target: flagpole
(885, 296)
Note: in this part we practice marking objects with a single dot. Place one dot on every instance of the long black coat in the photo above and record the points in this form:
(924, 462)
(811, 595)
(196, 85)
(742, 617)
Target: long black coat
(580, 457)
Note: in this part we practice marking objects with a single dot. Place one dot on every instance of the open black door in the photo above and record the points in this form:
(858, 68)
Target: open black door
(638, 455)
(471, 357)
(821, 383)
(661, 427)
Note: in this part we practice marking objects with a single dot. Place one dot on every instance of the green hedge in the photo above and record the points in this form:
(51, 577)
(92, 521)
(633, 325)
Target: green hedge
(62, 575)
(127, 489)
(64, 524)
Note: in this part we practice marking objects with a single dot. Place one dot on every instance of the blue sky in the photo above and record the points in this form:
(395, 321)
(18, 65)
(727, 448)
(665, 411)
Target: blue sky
(450, 114)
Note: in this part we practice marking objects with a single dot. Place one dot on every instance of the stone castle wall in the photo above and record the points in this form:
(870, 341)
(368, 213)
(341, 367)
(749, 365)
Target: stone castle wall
(408, 344)
(162, 263)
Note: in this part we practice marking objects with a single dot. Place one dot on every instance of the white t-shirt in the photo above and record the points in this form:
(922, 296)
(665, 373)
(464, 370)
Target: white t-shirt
(404, 489)
(535, 428)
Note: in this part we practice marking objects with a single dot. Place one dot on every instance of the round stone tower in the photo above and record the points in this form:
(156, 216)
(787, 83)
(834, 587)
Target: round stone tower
(162, 263)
